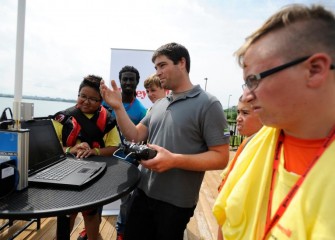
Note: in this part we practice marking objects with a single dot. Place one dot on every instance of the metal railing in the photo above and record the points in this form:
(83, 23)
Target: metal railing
(235, 137)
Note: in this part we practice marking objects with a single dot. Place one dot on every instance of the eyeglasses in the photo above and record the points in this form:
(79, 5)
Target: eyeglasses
(83, 98)
(253, 81)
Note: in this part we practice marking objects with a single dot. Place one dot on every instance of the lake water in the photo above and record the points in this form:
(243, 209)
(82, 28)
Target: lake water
(41, 108)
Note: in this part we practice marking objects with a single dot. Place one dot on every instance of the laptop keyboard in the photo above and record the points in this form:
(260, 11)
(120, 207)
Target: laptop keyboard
(61, 170)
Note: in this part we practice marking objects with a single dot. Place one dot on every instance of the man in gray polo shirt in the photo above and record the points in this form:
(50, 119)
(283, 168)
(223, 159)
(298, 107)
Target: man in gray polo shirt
(186, 128)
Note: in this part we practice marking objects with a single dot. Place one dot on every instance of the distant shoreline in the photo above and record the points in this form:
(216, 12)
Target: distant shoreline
(40, 98)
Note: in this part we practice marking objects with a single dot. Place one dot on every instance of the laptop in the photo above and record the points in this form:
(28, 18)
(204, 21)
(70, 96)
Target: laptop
(48, 163)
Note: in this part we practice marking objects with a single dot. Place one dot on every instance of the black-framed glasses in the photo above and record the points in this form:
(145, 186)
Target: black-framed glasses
(83, 98)
(252, 81)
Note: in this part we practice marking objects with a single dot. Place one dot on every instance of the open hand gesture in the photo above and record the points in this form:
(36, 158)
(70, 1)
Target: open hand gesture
(112, 96)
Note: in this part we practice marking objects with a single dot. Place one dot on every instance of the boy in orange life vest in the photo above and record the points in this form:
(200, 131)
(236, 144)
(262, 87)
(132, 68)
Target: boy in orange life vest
(248, 124)
(76, 138)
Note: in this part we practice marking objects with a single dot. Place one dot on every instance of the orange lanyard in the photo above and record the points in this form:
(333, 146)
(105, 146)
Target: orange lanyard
(270, 222)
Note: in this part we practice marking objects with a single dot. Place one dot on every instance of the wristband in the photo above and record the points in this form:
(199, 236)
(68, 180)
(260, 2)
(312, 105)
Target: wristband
(97, 150)
(67, 150)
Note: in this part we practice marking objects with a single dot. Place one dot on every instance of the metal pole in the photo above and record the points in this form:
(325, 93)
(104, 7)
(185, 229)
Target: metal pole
(228, 110)
(206, 83)
(19, 59)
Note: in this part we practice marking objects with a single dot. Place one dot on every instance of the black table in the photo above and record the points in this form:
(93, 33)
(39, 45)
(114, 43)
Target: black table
(119, 179)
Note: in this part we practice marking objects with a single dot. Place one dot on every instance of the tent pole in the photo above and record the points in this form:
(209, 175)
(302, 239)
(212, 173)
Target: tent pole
(19, 61)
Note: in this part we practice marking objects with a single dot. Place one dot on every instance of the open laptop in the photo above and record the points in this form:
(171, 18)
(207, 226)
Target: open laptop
(46, 155)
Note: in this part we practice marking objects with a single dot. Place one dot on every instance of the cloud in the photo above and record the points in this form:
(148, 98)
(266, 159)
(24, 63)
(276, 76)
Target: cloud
(66, 40)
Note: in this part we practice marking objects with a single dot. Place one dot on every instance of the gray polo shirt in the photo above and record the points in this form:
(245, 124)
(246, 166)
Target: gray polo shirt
(186, 125)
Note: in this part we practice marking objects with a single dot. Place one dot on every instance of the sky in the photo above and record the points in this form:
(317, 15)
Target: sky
(66, 40)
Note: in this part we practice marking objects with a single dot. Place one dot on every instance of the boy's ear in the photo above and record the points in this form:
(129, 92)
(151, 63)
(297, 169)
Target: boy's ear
(319, 68)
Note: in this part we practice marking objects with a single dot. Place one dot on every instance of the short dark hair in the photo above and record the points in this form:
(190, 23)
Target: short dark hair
(130, 69)
(92, 81)
(175, 52)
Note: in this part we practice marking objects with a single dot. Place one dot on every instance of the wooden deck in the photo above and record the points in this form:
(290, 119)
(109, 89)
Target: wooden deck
(202, 225)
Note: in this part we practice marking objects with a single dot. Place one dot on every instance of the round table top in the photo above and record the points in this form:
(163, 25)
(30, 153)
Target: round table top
(119, 179)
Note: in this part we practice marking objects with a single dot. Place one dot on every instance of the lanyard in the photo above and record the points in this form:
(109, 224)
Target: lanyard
(270, 222)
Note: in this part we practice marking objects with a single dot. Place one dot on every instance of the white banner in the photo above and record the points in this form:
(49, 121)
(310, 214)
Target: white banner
(141, 60)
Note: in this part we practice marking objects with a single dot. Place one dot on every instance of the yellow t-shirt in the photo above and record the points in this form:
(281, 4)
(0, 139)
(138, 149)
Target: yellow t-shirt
(241, 206)
(111, 139)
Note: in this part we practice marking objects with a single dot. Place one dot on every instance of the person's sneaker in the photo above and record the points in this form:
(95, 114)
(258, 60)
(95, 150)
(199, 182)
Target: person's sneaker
(82, 235)
(119, 236)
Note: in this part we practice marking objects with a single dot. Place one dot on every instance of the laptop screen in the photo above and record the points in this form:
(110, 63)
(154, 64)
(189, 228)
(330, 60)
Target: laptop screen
(44, 146)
